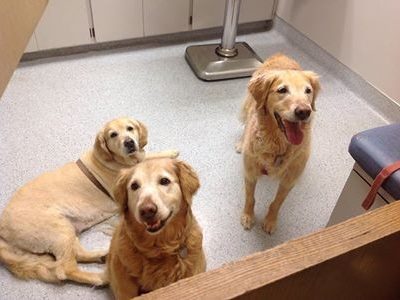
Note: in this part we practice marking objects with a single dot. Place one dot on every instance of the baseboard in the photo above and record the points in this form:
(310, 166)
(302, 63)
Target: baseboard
(149, 42)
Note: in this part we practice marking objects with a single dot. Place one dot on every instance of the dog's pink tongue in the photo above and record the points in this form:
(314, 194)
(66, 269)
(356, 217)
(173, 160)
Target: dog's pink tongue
(293, 132)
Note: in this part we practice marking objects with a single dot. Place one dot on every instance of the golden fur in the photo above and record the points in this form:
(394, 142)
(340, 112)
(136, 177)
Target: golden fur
(277, 114)
(140, 260)
(39, 226)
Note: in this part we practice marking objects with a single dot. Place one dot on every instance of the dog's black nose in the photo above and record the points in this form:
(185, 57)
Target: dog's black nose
(302, 113)
(130, 144)
(147, 211)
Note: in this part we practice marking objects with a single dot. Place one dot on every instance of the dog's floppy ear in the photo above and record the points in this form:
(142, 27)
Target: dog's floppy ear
(189, 181)
(259, 86)
(100, 146)
(314, 80)
(120, 189)
(142, 134)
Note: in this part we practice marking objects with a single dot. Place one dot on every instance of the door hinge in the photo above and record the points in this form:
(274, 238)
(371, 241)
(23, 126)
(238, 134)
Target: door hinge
(92, 32)
(191, 20)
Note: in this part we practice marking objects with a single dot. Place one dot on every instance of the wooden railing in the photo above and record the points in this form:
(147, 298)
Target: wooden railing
(356, 259)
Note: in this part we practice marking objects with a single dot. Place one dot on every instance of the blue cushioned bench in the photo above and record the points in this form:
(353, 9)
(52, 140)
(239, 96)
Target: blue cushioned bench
(372, 150)
(377, 148)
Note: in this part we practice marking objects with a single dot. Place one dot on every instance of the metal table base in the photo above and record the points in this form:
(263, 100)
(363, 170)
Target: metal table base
(228, 59)
(209, 66)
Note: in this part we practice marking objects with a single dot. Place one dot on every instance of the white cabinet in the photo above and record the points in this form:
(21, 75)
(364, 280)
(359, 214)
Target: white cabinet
(117, 19)
(210, 13)
(64, 23)
(32, 45)
(165, 16)
(357, 186)
(256, 10)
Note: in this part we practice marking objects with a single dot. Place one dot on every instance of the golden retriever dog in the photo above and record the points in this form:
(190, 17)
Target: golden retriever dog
(277, 114)
(39, 226)
(158, 240)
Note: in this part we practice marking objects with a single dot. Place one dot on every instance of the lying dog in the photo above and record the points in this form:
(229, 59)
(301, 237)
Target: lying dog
(158, 240)
(276, 141)
(39, 226)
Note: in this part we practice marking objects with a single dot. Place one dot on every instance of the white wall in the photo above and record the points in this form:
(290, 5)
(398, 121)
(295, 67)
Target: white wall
(362, 34)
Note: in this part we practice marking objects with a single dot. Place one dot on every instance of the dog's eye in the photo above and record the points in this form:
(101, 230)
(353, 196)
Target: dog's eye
(113, 134)
(135, 186)
(282, 90)
(129, 128)
(308, 90)
(165, 181)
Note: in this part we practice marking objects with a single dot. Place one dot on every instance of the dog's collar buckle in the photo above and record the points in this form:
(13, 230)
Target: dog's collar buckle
(183, 252)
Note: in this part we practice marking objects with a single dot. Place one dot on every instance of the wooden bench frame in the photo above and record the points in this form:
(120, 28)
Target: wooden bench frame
(356, 259)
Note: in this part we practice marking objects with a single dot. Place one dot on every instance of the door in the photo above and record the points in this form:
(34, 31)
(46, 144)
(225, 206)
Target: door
(63, 24)
(161, 16)
(210, 13)
(32, 45)
(117, 19)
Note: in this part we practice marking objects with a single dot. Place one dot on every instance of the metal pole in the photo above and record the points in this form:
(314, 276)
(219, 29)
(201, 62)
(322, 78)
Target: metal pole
(227, 47)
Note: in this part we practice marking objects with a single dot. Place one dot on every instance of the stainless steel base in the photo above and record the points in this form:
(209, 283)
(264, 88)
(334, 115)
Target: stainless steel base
(207, 65)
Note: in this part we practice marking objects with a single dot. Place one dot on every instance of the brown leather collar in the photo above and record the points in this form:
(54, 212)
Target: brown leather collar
(378, 181)
(91, 177)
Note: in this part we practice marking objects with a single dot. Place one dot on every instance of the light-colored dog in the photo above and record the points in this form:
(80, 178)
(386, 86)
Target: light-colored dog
(158, 240)
(276, 141)
(39, 226)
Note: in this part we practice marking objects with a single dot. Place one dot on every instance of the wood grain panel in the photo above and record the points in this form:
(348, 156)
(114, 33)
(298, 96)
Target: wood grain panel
(356, 259)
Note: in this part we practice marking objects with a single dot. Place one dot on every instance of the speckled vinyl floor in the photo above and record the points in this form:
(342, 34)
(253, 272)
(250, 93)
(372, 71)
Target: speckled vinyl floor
(53, 108)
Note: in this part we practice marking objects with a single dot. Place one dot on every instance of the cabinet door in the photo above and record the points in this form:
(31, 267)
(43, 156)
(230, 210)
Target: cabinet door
(117, 19)
(32, 45)
(165, 16)
(64, 23)
(255, 10)
(210, 13)
(349, 202)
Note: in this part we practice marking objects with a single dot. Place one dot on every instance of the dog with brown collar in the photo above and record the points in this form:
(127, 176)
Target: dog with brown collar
(39, 225)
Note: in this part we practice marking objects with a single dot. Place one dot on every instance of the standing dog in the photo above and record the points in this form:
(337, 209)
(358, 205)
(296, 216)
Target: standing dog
(158, 240)
(276, 140)
(39, 226)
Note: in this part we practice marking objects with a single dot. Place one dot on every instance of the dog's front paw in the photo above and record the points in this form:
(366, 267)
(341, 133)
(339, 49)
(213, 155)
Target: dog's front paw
(247, 221)
(101, 280)
(173, 153)
(269, 225)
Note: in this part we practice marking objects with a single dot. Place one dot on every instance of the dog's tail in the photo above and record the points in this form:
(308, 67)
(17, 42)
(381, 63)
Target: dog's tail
(26, 265)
